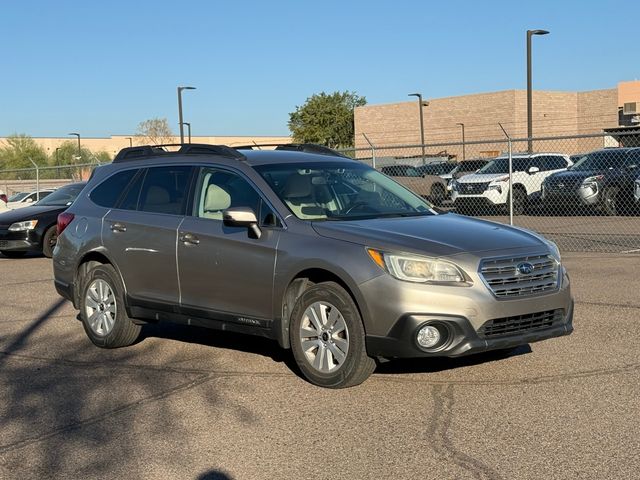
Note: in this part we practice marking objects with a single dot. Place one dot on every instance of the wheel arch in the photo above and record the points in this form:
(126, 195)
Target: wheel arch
(85, 264)
(298, 283)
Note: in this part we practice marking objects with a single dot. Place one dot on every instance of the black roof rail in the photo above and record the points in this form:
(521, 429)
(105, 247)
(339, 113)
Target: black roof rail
(296, 147)
(144, 151)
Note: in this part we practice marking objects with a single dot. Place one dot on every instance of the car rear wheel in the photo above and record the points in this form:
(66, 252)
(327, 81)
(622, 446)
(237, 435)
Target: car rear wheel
(49, 241)
(327, 338)
(102, 310)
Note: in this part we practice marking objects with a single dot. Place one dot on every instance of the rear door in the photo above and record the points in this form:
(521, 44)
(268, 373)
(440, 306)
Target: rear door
(141, 233)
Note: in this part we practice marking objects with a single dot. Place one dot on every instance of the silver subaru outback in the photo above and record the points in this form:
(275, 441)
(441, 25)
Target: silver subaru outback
(321, 253)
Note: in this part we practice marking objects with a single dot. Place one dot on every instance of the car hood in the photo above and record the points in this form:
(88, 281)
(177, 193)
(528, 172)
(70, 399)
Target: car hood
(27, 213)
(433, 235)
(480, 177)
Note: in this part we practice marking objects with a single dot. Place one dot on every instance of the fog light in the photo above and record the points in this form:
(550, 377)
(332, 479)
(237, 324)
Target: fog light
(428, 336)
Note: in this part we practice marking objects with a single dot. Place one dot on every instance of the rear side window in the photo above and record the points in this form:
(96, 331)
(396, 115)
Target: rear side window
(165, 189)
(107, 193)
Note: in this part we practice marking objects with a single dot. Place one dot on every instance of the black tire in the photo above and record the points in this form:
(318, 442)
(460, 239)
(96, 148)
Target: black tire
(123, 331)
(13, 253)
(356, 366)
(49, 241)
(437, 194)
(519, 201)
(610, 201)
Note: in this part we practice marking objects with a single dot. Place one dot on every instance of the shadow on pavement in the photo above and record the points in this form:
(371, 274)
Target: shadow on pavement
(439, 364)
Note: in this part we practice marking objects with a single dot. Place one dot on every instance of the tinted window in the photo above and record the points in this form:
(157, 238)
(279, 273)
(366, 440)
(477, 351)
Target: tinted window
(600, 160)
(107, 193)
(556, 163)
(132, 193)
(501, 165)
(164, 190)
(64, 195)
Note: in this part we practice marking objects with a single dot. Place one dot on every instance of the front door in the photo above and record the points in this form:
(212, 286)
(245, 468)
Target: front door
(225, 272)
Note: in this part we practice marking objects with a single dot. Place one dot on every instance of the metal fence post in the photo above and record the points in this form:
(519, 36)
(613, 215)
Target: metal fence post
(373, 150)
(510, 175)
(37, 179)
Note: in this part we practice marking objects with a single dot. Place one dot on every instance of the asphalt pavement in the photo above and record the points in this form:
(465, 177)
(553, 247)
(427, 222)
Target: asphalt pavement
(189, 403)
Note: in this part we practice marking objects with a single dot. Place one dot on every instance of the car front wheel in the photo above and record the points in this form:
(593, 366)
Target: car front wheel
(327, 338)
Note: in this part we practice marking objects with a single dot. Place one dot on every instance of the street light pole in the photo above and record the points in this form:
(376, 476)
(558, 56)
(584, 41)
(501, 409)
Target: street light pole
(530, 33)
(130, 141)
(464, 149)
(188, 129)
(420, 105)
(57, 159)
(79, 149)
(180, 89)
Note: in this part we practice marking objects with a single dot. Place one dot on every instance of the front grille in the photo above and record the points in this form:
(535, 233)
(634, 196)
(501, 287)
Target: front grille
(4, 243)
(505, 280)
(503, 327)
(472, 188)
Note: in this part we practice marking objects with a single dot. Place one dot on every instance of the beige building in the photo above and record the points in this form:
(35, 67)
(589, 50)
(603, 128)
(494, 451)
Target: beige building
(114, 143)
(554, 114)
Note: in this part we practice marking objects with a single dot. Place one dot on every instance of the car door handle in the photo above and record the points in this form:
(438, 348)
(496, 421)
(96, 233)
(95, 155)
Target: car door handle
(118, 227)
(189, 239)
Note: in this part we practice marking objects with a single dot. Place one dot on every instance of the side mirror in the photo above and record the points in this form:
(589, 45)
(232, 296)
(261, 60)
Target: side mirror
(29, 200)
(242, 217)
(533, 170)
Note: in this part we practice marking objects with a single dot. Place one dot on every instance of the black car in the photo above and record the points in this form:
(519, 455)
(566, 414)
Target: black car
(602, 179)
(33, 228)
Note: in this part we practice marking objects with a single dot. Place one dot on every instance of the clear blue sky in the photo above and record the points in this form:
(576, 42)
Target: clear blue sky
(100, 68)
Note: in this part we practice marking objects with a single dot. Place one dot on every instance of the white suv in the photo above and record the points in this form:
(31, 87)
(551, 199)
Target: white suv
(489, 186)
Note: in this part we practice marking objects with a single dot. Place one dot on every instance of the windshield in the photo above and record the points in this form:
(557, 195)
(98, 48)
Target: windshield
(341, 191)
(501, 165)
(16, 197)
(599, 161)
(63, 196)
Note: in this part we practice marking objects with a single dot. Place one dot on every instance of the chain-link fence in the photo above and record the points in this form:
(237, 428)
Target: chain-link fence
(583, 192)
(27, 185)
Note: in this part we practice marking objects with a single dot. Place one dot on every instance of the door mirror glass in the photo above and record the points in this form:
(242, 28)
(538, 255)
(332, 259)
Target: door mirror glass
(533, 170)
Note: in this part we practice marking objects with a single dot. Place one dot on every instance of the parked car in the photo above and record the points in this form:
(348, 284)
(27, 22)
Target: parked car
(463, 168)
(24, 199)
(431, 187)
(636, 190)
(489, 186)
(323, 254)
(33, 228)
(603, 179)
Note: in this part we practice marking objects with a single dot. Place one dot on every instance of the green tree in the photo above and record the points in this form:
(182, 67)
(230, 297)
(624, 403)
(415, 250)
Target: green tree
(18, 149)
(67, 154)
(326, 119)
(155, 131)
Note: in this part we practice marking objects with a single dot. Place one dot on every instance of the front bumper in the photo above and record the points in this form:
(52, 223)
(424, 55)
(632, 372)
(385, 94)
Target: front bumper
(489, 197)
(400, 343)
(578, 197)
(22, 241)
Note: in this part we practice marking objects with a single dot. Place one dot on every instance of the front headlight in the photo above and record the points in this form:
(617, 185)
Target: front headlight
(591, 182)
(454, 185)
(418, 269)
(23, 226)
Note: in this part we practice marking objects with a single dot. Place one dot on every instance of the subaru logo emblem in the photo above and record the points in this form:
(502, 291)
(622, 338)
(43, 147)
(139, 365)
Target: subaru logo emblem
(525, 268)
(561, 185)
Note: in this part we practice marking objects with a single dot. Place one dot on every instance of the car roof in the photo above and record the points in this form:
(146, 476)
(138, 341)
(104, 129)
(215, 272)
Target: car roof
(263, 157)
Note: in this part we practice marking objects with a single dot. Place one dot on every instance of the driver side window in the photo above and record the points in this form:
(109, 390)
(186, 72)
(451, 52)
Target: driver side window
(219, 190)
